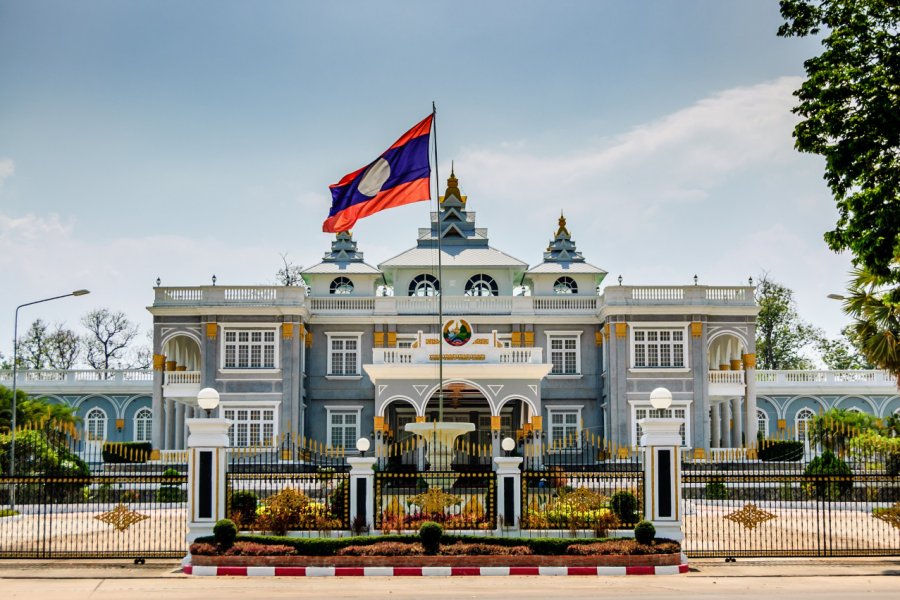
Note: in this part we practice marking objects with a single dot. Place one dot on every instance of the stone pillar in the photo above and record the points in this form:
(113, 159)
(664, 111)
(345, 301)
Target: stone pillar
(362, 488)
(725, 427)
(207, 445)
(509, 491)
(715, 423)
(662, 476)
(737, 423)
(751, 425)
(169, 438)
(179, 426)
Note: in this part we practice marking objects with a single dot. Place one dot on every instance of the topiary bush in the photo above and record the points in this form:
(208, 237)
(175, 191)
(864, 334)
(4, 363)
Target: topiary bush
(781, 450)
(828, 477)
(716, 490)
(644, 532)
(624, 505)
(430, 533)
(225, 532)
(243, 507)
(171, 492)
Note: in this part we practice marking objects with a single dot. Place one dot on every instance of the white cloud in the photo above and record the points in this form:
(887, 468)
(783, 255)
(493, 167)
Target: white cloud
(7, 169)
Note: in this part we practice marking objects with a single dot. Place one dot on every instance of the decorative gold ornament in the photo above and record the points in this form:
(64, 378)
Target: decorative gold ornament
(891, 515)
(121, 517)
(435, 501)
(750, 516)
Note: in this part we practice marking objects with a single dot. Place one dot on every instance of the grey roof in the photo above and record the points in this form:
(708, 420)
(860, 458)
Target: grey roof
(454, 256)
(566, 267)
(357, 268)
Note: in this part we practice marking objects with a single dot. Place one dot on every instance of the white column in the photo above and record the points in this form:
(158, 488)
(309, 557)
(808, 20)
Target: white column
(725, 427)
(738, 423)
(508, 467)
(169, 442)
(662, 476)
(207, 445)
(179, 426)
(715, 424)
(750, 423)
(362, 473)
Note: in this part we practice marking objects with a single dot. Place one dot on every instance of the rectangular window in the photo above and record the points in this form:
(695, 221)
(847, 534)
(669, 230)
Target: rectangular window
(251, 426)
(643, 413)
(343, 429)
(249, 349)
(565, 428)
(658, 348)
(343, 355)
(564, 354)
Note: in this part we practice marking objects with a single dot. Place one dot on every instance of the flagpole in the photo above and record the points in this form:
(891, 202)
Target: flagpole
(440, 295)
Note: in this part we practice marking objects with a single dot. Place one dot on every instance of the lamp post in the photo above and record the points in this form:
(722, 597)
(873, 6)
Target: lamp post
(12, 444)
(208, 399)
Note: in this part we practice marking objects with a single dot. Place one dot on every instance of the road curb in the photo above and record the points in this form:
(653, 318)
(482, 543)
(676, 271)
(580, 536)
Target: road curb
(202, 571)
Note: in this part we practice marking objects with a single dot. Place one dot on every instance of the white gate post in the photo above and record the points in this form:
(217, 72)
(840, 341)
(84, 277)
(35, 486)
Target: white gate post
(661, 440)
(207, 445)
(362, 489)
(509, 482)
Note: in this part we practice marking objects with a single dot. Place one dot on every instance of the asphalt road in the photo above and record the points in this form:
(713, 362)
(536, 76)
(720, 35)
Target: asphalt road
(744, 579)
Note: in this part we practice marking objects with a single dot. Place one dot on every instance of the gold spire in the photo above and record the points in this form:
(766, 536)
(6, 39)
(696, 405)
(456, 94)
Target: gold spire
(562, 225)
(453, 186)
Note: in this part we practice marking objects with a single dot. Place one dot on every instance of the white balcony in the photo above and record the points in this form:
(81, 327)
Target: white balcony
(834, 382)
(181, 384)
(726, 383)
(245, 295)
(76, 381)
(476, 354)
(682, 294)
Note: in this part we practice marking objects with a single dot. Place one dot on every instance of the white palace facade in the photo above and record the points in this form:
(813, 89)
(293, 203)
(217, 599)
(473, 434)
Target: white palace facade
(356, 353)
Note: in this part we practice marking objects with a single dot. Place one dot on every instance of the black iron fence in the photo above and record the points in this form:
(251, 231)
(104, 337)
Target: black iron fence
(297, 484)
(785, 499)
(458, 500)
(58, 505)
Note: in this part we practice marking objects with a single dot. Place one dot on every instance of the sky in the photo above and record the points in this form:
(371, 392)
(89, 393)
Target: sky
(179, 140)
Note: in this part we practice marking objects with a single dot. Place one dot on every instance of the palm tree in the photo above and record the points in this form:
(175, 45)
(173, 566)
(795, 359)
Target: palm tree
(874, 305)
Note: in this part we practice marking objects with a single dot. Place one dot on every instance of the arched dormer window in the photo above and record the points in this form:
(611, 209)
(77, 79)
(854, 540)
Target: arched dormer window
(341, 285)
(481, 285)
(143, 422)
(424, 285)
(762, 422)
(95, 424)
(803, 420)
(565, 285)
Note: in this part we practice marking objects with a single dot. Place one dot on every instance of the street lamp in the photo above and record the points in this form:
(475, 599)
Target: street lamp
(208, 399)
(660, 398)
(508, 444)
(362, 444)
(12, 443)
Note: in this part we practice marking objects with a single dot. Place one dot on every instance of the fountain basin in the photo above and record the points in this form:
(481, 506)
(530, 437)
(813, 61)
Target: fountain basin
(439, 437)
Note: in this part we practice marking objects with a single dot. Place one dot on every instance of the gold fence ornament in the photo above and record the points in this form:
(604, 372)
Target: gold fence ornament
(750, 516)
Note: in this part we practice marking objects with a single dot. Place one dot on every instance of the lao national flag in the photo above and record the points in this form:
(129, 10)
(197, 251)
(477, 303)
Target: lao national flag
(399, 176)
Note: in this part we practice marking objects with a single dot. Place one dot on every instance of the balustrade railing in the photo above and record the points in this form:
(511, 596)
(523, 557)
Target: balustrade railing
(690, 294)
(182, 377)
(726, 377)
(814, 377)
(212, 295)
(73, 376)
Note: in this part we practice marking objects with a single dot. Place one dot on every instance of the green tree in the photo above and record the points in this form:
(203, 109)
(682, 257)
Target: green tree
(34, 412)
(781, 335)
(874, 307)
(850, 110)
(843, 352)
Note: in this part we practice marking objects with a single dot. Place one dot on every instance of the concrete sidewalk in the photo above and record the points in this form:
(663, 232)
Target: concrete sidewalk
(750, 567)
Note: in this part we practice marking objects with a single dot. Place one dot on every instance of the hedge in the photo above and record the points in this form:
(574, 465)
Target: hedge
(786, 450)
(127, 452)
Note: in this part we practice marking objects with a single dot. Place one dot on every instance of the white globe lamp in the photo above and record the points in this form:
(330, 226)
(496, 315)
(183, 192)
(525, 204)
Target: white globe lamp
(363, 444)
(508, 444)
(660, 398)
(208, 400)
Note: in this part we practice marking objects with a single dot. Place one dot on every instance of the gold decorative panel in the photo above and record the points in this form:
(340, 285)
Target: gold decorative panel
(696, 329)
(750, 516)
(121, 517)
(891, 515)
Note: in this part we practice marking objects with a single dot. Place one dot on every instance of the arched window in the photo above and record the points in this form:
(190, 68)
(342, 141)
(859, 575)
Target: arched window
(804, 417)
(481, 285)
(762, 422)
(143, 425)
(424, 285)
(95, 424)
(341, 285)
(565, 285)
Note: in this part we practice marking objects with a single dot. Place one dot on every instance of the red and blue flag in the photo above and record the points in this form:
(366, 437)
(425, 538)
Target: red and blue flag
(401, 175)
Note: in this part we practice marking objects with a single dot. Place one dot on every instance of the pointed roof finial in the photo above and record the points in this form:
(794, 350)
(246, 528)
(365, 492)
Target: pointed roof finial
(562, 225)
(453, 186)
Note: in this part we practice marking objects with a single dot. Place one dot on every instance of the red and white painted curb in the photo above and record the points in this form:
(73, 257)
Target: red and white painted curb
(426, 571)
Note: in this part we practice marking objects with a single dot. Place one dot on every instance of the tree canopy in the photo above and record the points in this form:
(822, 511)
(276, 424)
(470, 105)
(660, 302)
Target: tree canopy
(850, 109)
(781, 335)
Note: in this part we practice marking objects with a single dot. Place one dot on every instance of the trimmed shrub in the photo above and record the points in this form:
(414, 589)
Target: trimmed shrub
(627, 547)
(127, 452)
(624, 505)
(782, 450)
(225, 532)
(644, 532)
(254, 549)
(383, 549)
(430, 533)
(291, 509)
(828, 477)
(243, 507)
(716, 490)
(171, 492)
(463, 549)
